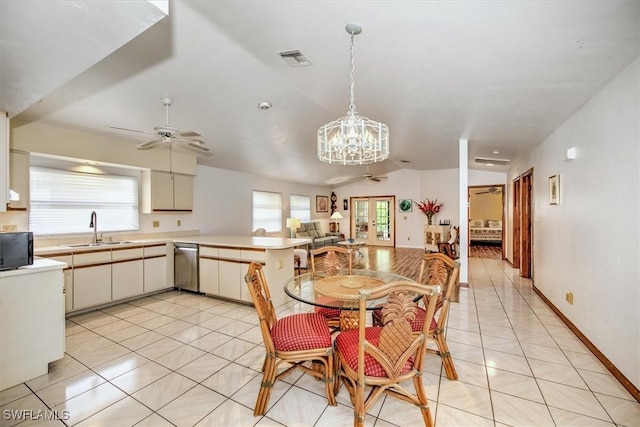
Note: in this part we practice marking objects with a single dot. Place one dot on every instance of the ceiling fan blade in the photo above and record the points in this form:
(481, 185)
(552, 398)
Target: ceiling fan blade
(190, 134)
(149, 144)
(129, 130)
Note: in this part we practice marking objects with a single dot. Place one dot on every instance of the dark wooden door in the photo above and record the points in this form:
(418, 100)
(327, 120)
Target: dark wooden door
(525, 225)
(516, 224)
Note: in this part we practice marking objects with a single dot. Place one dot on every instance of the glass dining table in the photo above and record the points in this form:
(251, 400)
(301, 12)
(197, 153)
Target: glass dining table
(339, 292)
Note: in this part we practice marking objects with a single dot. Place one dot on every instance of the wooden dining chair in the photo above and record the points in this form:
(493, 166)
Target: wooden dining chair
(294, 339)
(382, 357)
(337, 258)
(436, 269)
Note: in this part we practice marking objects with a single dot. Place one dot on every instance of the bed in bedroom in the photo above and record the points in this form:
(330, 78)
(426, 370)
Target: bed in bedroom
(483, 232)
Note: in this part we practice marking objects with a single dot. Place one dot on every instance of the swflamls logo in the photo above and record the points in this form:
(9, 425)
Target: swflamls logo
(30, 414)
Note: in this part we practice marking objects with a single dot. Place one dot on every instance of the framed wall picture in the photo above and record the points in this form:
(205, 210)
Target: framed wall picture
(322, 204)
(554, 189)
(405, 205)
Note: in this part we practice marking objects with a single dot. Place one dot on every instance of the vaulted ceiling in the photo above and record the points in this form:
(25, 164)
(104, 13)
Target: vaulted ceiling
(503, 75)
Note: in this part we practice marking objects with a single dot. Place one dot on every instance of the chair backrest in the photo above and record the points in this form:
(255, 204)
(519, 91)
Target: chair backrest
(439, 269)
(260, 232)
(337, 258)
(259, 289)
(398, 349)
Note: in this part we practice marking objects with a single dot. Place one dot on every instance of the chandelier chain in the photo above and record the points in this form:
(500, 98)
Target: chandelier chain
(352, 82)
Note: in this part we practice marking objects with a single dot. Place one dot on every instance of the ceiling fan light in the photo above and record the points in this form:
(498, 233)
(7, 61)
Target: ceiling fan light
(353, 139)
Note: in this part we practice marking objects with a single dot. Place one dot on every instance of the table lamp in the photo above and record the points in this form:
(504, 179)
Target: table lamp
(335, 217)
(293, 224)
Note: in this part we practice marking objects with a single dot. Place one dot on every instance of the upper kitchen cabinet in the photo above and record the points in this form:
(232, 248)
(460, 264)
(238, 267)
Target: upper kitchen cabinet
(19, 179)
(167, 192)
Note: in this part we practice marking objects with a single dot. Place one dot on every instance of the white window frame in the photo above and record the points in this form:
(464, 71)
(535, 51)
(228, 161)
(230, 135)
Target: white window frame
(266, 208)
(300, 207)
(61, 201)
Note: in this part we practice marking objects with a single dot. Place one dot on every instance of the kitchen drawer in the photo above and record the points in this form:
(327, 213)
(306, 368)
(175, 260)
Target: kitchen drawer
(209, 251)
(155, 250)
(131, 253)
(253, 255)
(91, 257)
(229, 253)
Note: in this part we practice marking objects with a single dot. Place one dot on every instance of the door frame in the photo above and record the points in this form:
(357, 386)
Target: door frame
(502, 207)
(372, 241)
(523, 224)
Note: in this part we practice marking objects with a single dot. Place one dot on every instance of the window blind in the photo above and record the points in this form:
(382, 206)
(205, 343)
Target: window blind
(62, 201)
(300, 207)
(267, 211)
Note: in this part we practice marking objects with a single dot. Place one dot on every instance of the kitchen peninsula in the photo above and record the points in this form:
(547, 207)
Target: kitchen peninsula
(32, 328)
(224, 260)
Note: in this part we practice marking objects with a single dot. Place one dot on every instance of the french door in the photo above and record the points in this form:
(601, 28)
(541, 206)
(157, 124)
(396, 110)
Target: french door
(373, 220)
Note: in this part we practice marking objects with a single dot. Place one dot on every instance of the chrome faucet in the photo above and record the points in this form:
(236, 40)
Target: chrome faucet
(94, 224)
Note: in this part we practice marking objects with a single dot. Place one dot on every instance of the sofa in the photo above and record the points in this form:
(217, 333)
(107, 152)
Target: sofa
(313, 231)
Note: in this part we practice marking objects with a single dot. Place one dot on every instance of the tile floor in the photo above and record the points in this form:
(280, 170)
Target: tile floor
(177, 359)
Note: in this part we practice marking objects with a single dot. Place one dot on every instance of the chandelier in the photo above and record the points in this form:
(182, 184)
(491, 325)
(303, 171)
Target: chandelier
(353, 139)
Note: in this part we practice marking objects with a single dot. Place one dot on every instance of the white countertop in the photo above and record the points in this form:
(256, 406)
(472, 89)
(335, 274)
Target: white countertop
(39, 265)
(245, 241)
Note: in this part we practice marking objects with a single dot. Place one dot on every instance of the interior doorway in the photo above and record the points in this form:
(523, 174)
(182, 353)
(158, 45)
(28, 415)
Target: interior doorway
(522, 225)
(486, 220)
(373, 220)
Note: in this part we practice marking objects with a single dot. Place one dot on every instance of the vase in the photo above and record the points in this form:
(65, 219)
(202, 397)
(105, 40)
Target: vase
(430, 219)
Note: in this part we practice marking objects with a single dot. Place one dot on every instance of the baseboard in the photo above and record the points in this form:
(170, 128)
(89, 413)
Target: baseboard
(635, 392)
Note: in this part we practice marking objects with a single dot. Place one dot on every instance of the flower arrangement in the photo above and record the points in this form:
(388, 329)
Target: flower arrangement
(429, 208)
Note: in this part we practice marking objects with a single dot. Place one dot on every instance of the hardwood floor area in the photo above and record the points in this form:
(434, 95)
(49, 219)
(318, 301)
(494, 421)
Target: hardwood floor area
(485, 251)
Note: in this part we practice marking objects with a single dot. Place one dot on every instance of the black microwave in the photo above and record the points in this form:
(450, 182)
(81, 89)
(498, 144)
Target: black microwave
(16, 249)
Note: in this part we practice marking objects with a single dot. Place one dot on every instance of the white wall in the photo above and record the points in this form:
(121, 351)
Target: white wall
(222, 200)
(589, 244)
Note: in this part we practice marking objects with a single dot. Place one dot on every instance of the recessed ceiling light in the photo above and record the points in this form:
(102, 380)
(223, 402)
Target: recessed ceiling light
(264, 105)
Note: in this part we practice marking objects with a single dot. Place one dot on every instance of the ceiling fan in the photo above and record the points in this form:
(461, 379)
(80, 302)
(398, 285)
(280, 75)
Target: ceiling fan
(491, 190)
(368, 176)
(167, 135)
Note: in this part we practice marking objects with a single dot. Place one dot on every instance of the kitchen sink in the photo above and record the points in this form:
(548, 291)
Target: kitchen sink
(89, 245)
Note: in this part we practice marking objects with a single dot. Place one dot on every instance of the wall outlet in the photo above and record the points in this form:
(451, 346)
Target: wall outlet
(156, 224)
(9, 227)
(179, 223)
(569, 297)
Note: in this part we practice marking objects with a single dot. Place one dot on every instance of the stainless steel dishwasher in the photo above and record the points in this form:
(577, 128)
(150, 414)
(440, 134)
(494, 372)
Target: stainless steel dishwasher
(185, 267)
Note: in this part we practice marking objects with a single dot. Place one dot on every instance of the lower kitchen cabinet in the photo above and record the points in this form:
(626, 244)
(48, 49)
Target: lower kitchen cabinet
(209, 276)
(155, 274)
(127, 279)
(231, 276)
(91, 286)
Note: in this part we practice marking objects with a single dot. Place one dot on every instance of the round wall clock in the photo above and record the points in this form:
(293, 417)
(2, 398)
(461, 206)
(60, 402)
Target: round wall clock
(405, 205)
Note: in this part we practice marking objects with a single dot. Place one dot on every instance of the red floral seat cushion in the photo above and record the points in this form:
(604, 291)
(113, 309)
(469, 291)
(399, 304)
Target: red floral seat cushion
(304, 331)
(416, 326)
(347, 345)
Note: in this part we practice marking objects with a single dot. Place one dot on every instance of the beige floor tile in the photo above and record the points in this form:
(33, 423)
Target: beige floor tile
(142, 316)
(203, 367)
(466, 397)
(14, 393)
(157, 322)
(248, 394)
(13, 412)
(163, 391)
(297, 407)
(556, 373)
(179, 357)
(471, 373)
(229, 413)
(69, 388)
(512, 410)
(198, 317)
(93, 319)
(154, 420)
(504, 345)
(586, 361)
(91, 402)
(142, 340)
(126, 333)
(103, 355)
(447, 416)
(192, 406)
(159, 348)
(605, 384)
(140, 377)
(210, 341)
(572, 399)
(112, 327)
(173, 328)
(342, 415)
(126, 412)
(58, 371)
(74, 340)
(216, 322)
(89, 346)
(507, 362)
(190, 334)
(518, 385)
(623, 411)
(230, 379)
(571, 419)
(121, 365)
(233, 349)
(541, 352)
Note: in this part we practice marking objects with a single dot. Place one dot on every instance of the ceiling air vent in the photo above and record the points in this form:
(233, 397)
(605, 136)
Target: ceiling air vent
(295, 58)
(489, 161)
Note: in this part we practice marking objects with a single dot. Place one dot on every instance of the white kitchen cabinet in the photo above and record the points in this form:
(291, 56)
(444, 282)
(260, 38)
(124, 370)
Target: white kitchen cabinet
(19, 179)
(68, 279)
(209, 270)
(32, 324)
(155, 268)
(164, 191)
(127, 273)
(230, 273)
(91, 286)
